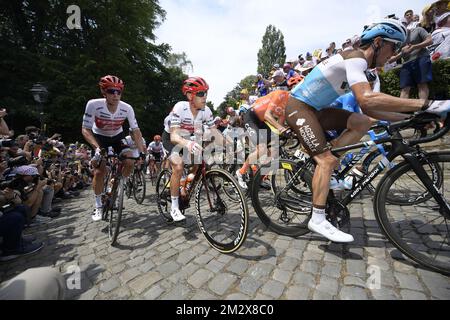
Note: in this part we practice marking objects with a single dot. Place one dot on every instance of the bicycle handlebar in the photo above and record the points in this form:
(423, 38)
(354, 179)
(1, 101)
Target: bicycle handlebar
(418, 121)
(438, 133)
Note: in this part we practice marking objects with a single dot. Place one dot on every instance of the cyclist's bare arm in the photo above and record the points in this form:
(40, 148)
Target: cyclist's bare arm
(175, 137)
(268, 116)
(89, 137)
(137, 136)
(377, 101)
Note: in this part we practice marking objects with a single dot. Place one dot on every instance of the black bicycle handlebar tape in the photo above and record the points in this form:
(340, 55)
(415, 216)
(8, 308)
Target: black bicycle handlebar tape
(436, 135)
(419, 119)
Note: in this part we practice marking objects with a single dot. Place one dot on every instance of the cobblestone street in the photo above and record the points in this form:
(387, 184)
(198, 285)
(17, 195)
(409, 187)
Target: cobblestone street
(156, 261)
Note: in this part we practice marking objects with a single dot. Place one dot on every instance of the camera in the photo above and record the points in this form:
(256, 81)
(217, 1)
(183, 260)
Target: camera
(17, 162)
(15, 184)
(6, 143)
(38, 140)
(32, 136)
(7, 207)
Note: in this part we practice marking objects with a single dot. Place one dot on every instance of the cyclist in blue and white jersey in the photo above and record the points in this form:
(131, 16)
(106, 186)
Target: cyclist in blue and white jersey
(309, 117)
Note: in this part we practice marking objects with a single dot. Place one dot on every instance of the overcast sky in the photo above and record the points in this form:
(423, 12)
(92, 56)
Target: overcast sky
(222, 37)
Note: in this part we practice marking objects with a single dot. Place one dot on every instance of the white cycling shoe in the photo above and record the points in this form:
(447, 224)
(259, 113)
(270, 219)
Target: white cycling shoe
(241, 181)
(177, 216)
(97, 214)
(326, 229)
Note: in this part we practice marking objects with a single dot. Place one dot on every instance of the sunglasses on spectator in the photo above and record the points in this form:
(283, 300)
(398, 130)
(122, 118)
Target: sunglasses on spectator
(201, 94)
(113, 91)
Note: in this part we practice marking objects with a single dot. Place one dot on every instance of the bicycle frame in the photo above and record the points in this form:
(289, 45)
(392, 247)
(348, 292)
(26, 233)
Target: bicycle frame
(363, 152)
(199, 175)
(399, 148)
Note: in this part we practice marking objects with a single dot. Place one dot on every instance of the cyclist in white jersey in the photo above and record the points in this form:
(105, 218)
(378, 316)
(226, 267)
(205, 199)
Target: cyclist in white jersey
(132, 145)
(102, 128)
(187, 118)
(308, 116)
(155, 153)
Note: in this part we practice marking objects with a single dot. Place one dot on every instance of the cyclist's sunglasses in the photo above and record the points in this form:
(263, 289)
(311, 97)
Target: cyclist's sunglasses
(201, 94)
(113, 91)
(397, 44)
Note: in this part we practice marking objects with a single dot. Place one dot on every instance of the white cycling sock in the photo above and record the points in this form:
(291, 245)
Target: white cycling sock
(318, 215)
(98, 201)
(175, 203)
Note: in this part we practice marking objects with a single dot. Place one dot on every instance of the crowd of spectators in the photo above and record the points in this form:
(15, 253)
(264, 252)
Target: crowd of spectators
(428, 40)
(35, 173)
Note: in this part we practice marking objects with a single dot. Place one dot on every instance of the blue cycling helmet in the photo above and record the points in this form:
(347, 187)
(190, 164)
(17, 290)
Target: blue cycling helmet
(389, 29)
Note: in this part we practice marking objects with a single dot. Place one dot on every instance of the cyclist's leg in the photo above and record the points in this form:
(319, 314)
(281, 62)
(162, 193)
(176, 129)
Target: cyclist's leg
(99, 172)
(303, 120)
(356, 125)
(151, 165)
(128, 164)
(177, 165)
(252, 128)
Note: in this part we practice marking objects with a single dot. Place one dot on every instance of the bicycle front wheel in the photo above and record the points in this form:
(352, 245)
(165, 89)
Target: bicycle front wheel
(115, 210)
(222, 212)
(401, 193)
(421, 232)
(163, 194)
(139, 186)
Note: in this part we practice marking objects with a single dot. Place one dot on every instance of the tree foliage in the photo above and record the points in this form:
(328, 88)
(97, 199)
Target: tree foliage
(273, 50)
(233, 99)
(116, 37)
(180, 60)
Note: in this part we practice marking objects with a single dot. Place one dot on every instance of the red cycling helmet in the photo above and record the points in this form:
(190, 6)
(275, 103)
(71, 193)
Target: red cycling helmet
(293, 81)
(111, 82)
(157, 138)
(194, 84)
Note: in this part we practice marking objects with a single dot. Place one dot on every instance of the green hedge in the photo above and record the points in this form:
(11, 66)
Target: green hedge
(439, 87)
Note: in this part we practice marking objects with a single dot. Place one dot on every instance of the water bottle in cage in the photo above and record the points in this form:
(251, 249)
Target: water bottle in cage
(347, 159)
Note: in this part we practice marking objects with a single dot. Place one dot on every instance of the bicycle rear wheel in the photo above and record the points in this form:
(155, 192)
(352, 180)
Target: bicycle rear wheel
(222, 212)
(286, 207)
(115, 209)
(139, 186)
(421, 232)
(163, 194)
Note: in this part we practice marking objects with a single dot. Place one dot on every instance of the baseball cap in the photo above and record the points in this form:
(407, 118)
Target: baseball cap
(27, 171)
(278, 73)
(441, 18)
